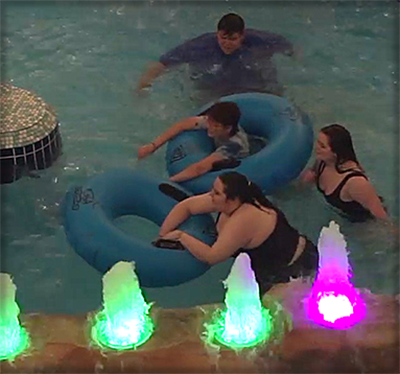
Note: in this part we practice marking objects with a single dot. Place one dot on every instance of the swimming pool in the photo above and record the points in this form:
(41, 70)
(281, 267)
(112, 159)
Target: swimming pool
(85, 59)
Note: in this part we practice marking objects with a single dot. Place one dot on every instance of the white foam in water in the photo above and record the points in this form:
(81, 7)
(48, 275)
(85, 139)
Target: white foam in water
(9, 309)
(91, 81)
(332, 250)
(241, 283)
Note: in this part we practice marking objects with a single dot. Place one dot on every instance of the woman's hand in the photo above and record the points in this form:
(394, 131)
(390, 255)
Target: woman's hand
(173, 235)
(307, 176)
(146, 150)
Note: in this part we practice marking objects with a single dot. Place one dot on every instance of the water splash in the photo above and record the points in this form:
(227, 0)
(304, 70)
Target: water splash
(124, 322)
(334, 302)
(13, 338)
(244, 322)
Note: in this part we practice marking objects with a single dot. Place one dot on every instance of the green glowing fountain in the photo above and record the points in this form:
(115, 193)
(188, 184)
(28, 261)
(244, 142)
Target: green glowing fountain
(124, 321)
(244, 322)
(13, 338)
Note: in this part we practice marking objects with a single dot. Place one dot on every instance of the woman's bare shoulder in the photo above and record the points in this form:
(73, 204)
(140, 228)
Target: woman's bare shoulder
(251, 216)
(350, 166)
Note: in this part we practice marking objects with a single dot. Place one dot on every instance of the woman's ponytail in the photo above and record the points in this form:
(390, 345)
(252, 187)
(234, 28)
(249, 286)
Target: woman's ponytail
(257, 196)
(238, 186)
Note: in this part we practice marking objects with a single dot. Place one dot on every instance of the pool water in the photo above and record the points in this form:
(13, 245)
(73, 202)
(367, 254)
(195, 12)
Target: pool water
(85, 58)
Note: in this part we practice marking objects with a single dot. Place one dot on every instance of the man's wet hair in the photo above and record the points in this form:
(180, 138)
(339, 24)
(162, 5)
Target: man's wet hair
(227, 114)
(231, 23)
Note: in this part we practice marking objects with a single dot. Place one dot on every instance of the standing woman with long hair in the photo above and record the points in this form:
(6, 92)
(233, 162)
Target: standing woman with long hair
(341, 179)
(247, 222)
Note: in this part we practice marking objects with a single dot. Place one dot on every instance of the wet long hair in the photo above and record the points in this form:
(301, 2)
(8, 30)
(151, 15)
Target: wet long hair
(341, 144)
(237, 185)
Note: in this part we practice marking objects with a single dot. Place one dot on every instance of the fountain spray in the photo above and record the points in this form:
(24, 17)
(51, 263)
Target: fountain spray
(334, 302)
(124, 321)
(13, 338)
(244, 322)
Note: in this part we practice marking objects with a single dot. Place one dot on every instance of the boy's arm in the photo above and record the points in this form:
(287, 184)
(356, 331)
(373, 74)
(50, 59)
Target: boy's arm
(186, 124)
(197, 169)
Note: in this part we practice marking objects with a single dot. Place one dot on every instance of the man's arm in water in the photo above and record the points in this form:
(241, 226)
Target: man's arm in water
(154, 70)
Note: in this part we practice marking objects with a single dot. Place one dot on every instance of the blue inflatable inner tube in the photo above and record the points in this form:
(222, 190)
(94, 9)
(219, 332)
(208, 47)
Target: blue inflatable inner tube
(88, 214)
(290, 141)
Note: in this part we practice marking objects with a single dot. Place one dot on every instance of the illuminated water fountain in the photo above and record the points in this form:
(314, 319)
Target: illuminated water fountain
(124, 321)
(334, 302)
(244, 322)
(13, 338)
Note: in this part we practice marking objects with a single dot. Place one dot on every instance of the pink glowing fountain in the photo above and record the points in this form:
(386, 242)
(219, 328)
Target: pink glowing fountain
(334, 302)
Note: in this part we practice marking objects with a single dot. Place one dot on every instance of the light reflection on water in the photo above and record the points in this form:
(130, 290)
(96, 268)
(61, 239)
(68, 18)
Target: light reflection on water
(84, 59)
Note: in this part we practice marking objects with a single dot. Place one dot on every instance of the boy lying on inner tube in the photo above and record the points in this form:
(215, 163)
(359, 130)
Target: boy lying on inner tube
(221, 121)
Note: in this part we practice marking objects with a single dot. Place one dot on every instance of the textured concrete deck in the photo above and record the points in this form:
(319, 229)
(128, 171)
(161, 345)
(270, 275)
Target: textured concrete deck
(60, 344)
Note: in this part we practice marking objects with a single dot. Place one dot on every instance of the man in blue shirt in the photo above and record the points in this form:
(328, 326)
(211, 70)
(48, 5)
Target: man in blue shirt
(221, 121)
(229, 61)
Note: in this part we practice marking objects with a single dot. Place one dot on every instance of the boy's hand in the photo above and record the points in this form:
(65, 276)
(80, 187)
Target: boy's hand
(146, 150)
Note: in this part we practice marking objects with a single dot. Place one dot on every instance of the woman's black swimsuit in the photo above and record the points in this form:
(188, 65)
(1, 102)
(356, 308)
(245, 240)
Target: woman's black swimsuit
(352, 210)
(271, 258)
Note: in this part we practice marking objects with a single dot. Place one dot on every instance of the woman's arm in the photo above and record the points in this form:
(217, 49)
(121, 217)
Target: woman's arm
(235, 235)
(186, 124)
(186, 208)
(361, 190)
(309, 175)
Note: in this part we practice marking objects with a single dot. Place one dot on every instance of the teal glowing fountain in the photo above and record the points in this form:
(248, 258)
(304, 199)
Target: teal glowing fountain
(13, 338)
(244, 322)
(124, 321)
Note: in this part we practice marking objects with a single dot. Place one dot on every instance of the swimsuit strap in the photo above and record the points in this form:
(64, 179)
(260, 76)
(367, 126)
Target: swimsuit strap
(219, 214)
(339, 187)
(353, 173)
(353, 210)
(320, 168)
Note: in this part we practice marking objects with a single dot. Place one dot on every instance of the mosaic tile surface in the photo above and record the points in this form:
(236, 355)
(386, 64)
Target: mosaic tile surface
(25, 117)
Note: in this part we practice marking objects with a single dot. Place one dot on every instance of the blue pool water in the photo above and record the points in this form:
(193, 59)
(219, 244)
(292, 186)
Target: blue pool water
(85, 59)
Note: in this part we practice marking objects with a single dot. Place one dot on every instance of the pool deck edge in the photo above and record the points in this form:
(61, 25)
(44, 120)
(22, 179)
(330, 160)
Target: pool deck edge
(60, 343)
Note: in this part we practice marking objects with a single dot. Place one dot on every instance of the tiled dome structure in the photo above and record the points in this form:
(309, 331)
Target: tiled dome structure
(29, 133)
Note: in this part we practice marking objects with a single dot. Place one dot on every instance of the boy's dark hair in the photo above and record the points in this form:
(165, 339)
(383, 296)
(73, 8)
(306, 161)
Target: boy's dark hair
(227, 114)
(231, 23)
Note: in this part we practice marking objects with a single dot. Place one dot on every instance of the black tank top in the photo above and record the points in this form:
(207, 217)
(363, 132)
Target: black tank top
(352, 210)
(276, 252)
